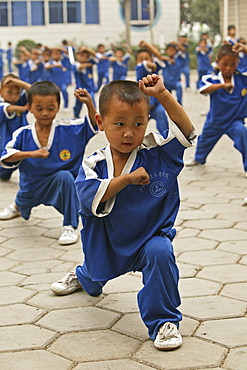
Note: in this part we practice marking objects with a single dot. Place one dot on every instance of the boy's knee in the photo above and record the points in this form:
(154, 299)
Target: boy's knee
(159, 248)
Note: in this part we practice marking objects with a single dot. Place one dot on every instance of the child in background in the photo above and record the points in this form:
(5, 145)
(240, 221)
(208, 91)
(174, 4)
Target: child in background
(58, 72)
(183, 47)
(83, 72)
(228, 108)
(119, 62)
(45, 73)
(103, 64)
(9, 56)
(35, 73)
(13, 111)
(231, 35)
(1, 61)
(203, 54)
(146, 63)
(129, 200)
(242, 64)
(172, 71)
(49, 154)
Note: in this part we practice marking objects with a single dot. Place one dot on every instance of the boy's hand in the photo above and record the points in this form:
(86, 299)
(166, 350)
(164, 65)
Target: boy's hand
(228, 86)
(40, 153)
(139, 177)
(152, 85)
(83, 95)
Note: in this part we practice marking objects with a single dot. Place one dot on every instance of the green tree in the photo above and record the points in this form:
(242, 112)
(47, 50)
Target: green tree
(203, 11)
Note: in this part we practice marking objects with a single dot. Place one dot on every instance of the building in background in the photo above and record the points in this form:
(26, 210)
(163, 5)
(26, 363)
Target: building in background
(233, 12)
(88, 22)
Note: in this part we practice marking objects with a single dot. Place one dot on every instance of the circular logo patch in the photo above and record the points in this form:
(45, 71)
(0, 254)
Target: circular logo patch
(244, 92)
(65, 155)
(157, 189)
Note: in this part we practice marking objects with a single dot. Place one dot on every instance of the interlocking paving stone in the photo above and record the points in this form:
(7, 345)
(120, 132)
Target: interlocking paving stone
(19, 314)
(230, 332)
(120, 302)
(13, 294)
(79, 318)
(203, 258)
(113, 365)
(212, 307)
(237, 291)
(24, 337)
(191, 244)
(224, 274)
(99, 345)
(237, 359)
(194, 354)
(197, 287)
(33, 360)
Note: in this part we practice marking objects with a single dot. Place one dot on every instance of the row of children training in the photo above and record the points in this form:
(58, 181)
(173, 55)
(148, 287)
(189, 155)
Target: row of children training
(121, 179)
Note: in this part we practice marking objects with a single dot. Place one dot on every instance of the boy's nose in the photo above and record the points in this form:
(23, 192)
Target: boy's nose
(128, 134)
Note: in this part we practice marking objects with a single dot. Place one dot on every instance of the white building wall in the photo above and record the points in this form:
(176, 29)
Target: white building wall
(110, 29)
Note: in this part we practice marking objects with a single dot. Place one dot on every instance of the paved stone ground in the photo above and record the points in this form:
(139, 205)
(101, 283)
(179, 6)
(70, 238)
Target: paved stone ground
(39, 330)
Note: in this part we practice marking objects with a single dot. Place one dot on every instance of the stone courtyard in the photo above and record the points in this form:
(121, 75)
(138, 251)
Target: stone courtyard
(42, 331)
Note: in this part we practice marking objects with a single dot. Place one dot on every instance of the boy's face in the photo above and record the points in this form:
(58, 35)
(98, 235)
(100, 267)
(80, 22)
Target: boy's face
(10, 93)
(82, 57)
(232, 32)
(143, 56)
(119, 53)
(46, 56)
(101, 49)
(56, 55)
(171, 52)
(227, 65)
(124, 125)
(44, 109)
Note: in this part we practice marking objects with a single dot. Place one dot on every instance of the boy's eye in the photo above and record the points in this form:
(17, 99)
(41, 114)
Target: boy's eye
(120, 124)
(138, 124)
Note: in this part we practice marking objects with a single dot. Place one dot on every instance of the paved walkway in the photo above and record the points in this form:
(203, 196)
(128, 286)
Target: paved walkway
(41, 331)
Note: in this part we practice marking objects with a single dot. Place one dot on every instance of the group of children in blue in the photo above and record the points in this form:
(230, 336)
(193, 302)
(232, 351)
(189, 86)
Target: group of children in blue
(135, 175)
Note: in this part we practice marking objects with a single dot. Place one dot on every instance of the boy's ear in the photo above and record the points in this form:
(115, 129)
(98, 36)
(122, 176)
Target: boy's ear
(29, 107)
(99, 122)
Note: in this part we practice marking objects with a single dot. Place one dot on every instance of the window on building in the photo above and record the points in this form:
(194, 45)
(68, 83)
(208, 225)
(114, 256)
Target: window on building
(3, 13)
(142, 12)
(37, 13)
(19, 13)
(92, 11)
(73, 11)
(55, 11)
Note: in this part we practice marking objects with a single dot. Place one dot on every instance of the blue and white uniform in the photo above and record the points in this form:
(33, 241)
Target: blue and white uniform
(120, 68)
(1, 63)
(171, 74)
(24, 70)
(50, 181)
(9, 56)
(226, 116)
(185, 64)
(59, 76)
(9, 122)
(103, 65)
(133, 230)
(204, 66)
(83, 79)
(156, 109)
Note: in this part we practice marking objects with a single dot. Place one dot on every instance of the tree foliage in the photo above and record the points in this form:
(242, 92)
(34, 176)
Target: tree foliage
(203, 11)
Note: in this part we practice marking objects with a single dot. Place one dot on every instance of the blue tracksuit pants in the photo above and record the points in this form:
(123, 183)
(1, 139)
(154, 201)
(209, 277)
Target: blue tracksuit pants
(159, 298)
(210, 135)
(57, 190)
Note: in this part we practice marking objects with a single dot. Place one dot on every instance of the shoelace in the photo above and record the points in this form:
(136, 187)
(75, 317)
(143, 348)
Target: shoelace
(168, 331)
(70, 279)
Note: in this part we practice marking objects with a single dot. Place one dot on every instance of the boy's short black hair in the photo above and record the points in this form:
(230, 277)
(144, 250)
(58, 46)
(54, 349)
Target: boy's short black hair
(230, 27)
(226, 50)
(126, 91)
(11, 75)
(43, 88)
(171, 45)
(143, 50)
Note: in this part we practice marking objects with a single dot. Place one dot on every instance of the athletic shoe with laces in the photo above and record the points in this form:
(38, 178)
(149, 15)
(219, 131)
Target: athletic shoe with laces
(245, 201)
(9, 212)
(168, 337)
(67, 285)
(69, 235)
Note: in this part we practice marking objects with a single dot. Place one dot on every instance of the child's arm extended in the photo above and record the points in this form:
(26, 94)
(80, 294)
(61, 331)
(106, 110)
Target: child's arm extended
(152, 85)
(19, 156)
(84, 97)
(16, 108)
(17, 82)
(137, 177)
(214, 87)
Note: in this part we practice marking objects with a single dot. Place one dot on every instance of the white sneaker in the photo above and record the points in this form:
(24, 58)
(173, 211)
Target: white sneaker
(245, 202)
(69, 235)
(245, 174)
(191, 162)
(67, 285)
(9, 212)
(168, 337)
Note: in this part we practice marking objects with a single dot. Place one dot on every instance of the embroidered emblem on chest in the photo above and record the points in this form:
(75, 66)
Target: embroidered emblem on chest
(64, 155)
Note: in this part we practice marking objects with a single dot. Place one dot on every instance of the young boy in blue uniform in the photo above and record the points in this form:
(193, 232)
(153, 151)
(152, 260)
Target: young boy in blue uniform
(49, 154)
(203, 54)
(83, 72)
(228, 107)
(119, 62)
(129, 200)
(103, 64)
(147, 62)
(13, 112)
